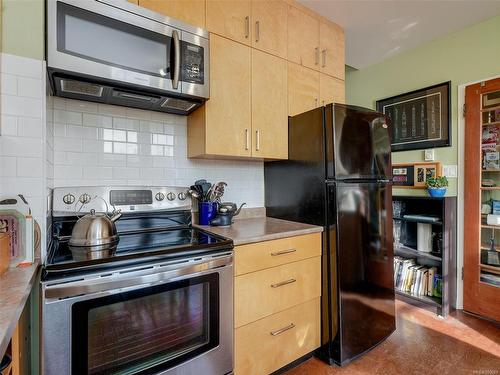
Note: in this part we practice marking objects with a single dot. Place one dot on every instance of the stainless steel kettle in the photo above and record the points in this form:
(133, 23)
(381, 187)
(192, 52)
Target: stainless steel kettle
(94, 235)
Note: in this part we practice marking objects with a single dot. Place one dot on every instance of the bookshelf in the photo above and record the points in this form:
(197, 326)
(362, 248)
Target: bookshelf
(441, 258)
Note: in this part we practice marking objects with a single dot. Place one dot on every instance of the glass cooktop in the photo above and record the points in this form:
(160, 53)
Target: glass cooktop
(135, 247)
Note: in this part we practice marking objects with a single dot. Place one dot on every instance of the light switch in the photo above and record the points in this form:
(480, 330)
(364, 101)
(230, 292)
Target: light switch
(429, 154)
(450, 170)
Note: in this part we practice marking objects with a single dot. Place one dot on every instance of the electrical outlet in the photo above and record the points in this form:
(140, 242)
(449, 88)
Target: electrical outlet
(429, 155)
(450, 171)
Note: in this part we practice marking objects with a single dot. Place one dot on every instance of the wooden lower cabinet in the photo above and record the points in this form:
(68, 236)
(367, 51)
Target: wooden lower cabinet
(277, 290)
(268, 344)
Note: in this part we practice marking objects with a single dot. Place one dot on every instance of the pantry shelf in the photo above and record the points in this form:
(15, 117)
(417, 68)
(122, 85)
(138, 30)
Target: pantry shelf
(491, 269)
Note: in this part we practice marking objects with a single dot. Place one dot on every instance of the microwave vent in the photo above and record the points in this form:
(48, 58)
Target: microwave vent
(82, 88)
(178, 104)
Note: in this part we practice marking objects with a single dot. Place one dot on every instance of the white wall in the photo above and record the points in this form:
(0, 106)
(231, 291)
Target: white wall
(97, 144)
(22, 132)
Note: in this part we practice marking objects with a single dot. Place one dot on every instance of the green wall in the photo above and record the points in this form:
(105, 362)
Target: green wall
(23, 28)
(468, 55)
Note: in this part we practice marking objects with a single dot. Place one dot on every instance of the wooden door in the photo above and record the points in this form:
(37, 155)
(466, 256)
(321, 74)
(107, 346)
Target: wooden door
(269, 20)
(303, 89)
(303, 39)
(331, 90)
(230, 19)
(189, 11)
(269, 106)
(228, 117)
(332, 50)
(481, 296)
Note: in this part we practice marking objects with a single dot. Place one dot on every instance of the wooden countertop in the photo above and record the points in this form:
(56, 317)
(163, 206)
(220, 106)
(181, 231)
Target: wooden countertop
(15, 288)
(260, 229)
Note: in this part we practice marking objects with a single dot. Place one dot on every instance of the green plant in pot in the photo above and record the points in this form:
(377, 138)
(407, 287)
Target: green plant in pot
(436, 186)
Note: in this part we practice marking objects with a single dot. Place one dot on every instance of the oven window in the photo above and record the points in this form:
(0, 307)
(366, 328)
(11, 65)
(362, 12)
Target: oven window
(146, 331)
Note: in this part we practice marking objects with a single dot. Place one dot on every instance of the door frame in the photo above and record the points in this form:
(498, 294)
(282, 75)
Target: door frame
(460, 182)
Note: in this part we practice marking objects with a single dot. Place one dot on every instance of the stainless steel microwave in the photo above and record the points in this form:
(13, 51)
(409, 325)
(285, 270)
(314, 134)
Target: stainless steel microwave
(115, 52)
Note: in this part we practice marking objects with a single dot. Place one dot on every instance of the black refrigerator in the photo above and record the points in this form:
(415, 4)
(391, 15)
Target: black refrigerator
(339, 176)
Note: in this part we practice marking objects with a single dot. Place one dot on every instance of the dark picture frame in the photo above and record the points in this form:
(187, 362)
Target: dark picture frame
(419, 119)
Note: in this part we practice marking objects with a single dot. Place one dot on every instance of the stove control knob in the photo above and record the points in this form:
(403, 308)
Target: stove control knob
(69, 199)
(182, 196)
(84, 198)
(159, 196)
(170, 196)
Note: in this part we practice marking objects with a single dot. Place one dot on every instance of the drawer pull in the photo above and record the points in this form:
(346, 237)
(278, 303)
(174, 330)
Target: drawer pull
(286, 282)
(282, 252)
(281, 330)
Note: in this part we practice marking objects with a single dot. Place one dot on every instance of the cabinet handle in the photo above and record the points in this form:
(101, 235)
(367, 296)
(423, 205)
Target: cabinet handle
(257, 31)
(247, 27)
(316, 56)
(247, 141)
(323, 55)
(257, 140)
(281, 283)
(281, 330)
(282, 252)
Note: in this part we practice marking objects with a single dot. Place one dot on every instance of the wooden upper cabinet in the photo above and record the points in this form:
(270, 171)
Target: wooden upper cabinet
(269, 20)
(136, 2)
(269, 106)
(189, 11)
(331, 90)
(303, 39)
(303, 89)
(230, 19)
(222, 127)
(332, 50)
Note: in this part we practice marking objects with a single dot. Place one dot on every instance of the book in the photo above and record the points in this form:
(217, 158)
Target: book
(430, 284)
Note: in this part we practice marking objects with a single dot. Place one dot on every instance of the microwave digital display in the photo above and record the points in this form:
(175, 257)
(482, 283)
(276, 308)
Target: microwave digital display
(192, 63)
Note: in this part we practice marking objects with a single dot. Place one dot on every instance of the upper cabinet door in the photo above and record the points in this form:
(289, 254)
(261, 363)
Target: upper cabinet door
(230, 19)
(270, 26)
(189, 11)
(303, 89)
(332, 50)
(269, 106)
(303, 39)
(331, 90)
(228, 114)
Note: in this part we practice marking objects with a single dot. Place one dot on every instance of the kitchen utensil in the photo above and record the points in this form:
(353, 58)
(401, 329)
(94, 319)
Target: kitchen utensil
(217, 191)
(227, 211)
(94, 235)
(194, 194)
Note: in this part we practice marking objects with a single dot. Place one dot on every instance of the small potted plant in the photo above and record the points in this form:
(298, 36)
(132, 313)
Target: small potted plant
(436, 186)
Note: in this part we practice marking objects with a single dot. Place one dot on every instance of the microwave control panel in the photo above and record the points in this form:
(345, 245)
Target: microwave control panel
(192, 63)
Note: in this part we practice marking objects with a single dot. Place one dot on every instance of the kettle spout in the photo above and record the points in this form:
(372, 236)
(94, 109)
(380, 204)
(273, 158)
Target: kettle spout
(115, 215)
(239, 209)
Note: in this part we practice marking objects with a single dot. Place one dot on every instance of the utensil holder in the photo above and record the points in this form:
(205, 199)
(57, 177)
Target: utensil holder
(207, 211)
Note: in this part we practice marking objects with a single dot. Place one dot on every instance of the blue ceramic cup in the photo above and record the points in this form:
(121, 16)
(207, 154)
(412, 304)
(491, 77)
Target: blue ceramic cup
(207, 211)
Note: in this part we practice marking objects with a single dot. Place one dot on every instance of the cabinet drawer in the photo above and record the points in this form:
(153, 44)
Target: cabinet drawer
(266, 292)
(258, 256)
(271, 343)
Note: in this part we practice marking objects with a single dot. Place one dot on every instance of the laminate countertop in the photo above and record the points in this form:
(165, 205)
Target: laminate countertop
(258, 229)
(15, 288)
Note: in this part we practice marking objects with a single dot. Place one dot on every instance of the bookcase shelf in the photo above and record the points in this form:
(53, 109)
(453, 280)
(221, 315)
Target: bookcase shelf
(444, 234)
(434, 301)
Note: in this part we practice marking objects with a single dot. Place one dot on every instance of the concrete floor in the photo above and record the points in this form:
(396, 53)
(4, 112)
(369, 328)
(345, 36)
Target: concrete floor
(425, 344)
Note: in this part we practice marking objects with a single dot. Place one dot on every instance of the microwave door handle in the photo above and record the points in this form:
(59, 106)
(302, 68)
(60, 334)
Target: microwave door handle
(177, 59)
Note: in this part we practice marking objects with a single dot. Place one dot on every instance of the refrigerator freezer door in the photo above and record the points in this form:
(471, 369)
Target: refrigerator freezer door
(364, 269)
(358, 143)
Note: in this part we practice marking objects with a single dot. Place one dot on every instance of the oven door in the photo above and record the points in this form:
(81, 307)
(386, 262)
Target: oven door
(95, 39)
(164, 324)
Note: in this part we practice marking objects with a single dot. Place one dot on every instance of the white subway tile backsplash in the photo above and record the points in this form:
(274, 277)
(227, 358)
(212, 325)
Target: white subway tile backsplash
(21, 106)
(30, 127)
(81, 106)
(22, 66)
(20, 146)
(29, 87)
(8, 166)
(137, 147)
(29, 167)
(8, 125)
(8, 84)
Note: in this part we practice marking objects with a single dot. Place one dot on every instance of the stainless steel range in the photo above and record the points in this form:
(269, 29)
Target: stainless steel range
(160, 303)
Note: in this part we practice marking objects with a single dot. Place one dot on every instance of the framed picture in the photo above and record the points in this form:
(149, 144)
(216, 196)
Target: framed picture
(414, 175)
(419, 119)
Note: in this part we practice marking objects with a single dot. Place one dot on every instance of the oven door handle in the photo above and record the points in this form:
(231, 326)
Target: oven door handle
(163, 274)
